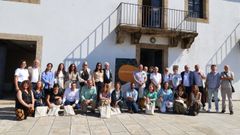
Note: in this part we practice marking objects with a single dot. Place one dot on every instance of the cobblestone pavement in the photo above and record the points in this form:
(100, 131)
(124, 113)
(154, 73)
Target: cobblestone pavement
(123, 124)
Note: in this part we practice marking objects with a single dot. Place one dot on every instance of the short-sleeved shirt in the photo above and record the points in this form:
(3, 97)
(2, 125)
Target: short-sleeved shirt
(198, 78)
(176, 80)
(22, 74)
(156, 78)
(226, 83)
(140, 76)
(52, 96)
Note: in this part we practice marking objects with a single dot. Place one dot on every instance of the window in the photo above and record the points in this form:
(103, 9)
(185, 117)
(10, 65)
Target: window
(199, 9)
(196, 7)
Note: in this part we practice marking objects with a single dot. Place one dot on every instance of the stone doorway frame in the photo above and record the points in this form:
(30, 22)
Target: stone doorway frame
(23, 37)
(164, 48)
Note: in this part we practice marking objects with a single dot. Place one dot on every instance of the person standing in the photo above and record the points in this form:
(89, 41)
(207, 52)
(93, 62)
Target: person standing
(166, 75)
(227, 77)
(48, 78)
(60, 76)
(107, 74)
(140, 78)
(21, 74)
(212, 85)
(35, 73)
(187, 80)
(85, 74)
(175, 78)
(156, 79)
(98, 79)
(199, 76)
(72, 76)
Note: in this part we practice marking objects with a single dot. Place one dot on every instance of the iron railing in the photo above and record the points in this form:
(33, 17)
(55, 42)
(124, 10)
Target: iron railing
(156, 17)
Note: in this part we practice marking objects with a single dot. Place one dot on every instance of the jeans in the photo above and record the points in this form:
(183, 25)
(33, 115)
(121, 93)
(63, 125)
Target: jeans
(132, 105)
(213, 92)
(71, 103)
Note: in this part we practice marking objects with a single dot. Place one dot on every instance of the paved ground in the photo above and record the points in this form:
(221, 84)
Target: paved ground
(123, 124)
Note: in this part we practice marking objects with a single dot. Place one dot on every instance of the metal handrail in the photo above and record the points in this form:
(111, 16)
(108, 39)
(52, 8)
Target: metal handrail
(156, 17)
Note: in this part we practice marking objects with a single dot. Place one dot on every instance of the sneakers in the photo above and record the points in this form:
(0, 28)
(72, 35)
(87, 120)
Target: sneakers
(231, 112)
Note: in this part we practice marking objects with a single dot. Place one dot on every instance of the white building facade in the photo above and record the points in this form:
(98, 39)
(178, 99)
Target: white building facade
(72, 31)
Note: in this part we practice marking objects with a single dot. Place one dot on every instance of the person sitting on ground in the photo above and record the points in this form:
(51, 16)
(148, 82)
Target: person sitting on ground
(55, 97)
(71, 96)
(195, 101)
(180, 102)
(38, 95)
(165, 98)
(131, 99)
(88, 96)
(105, 95)
(151, 94)
(24, 101)
(117, 97)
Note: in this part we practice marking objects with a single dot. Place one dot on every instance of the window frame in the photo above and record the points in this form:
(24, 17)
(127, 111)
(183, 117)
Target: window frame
(25, 1)
(205, 7)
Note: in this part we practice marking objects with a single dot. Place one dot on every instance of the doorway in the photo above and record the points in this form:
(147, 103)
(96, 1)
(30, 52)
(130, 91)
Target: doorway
(11, 52)
(151, 57)
(152, 13)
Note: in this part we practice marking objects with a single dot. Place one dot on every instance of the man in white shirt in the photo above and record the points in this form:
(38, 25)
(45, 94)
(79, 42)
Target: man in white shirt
(35, 73)
(21, 74)
(156, 79)
(140, 78)
(187, 80)
(71, 96)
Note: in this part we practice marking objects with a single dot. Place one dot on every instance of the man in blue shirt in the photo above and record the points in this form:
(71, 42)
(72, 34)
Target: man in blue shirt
(212, 85)
(131, 99)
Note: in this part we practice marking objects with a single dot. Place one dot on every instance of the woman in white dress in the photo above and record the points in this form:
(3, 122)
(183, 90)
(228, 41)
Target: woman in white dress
(60, 76)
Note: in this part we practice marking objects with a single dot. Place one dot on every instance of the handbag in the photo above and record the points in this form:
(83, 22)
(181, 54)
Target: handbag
(105, 111)
(41, 111)
(54, 110)
(68, 110)
(233, 90)
(115, 111)
(150, 108)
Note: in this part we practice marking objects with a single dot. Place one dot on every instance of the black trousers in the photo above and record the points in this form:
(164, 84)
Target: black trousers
(99, 86)
(204, 95)
(188, 91)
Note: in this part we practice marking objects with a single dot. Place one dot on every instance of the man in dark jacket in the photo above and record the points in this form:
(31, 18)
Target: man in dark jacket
(107, 74)
(187, 79)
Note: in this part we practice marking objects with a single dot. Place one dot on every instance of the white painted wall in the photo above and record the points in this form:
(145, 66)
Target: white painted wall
(223, 18)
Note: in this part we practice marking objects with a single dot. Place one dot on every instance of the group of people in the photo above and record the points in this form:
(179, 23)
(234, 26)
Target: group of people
(187, 91)
(80, 89)
(84, 88)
